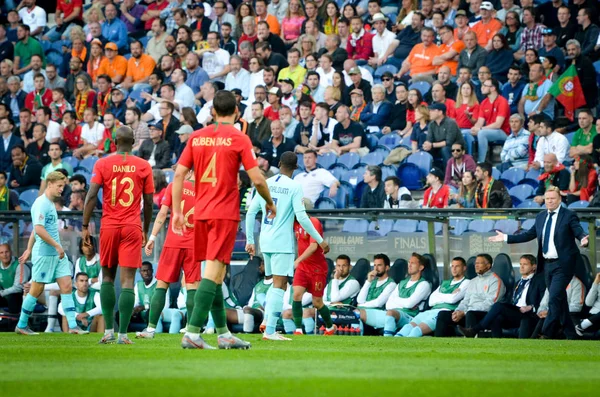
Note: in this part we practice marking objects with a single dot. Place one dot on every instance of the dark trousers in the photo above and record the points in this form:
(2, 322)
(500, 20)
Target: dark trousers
(506, 316)
(557, 281)
(595, 320)
(445, 327)
(12, 301)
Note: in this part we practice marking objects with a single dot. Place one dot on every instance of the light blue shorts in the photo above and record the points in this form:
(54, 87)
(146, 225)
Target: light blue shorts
(375, 317)
(277, 264)
(46, 269)
(404, 318)
(428, 318)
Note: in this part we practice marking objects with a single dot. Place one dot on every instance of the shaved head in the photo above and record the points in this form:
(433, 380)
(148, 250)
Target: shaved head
(124, 139)
(288, 161)
(551, 157)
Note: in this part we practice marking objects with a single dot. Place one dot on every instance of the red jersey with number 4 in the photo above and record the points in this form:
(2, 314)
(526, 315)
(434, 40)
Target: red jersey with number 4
(187, 207)
(123, 178)
(215, 153)
(315, 263)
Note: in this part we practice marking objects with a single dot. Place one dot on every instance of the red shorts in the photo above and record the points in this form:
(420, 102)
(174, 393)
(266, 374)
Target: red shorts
(214, 239)
(121, 247)
(172, 260)
(313, 282)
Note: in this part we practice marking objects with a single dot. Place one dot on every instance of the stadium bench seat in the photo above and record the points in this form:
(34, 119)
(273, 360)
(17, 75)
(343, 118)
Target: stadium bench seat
(512, 177)
(422, 86)
(471, 273)
(527, 224)
(384, 150)
(72, 161)
(349, 190)
(327, 160)
(431, 273)
(406, 142)
(387, 171)
(495, 173)
(372, 141)
(242, 284)
(337, 170)
(579, 204)
(390, 140)
(405, 226)
(380, 227)
(481, 226)
(355, 226)
(349, 160)
(399, 270)
(411, 176)
(459, 226)
(503, 268)
(353, 177)
(528, 204)
(421, 159)
(27, 198)
(507, 226)
(373, 158)
(520, 193)
(325, 203)
(359, 271)
(583, 271)
(422, 227)
(385, 68)
(87, 164)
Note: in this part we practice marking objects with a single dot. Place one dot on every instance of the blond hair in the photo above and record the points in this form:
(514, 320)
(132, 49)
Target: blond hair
(553, 189)
(424, 110)
(334, 92)
(55, 176)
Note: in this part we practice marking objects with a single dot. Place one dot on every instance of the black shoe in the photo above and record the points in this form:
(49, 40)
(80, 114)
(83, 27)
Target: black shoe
(468, 332)
(544, 337)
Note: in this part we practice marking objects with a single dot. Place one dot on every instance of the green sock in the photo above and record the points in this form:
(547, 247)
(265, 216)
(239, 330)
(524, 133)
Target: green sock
(326, 315)
(297, 313)
(126, 301)
(108, 300)
(189, 303)
(218, 311)
(156, 306)
(203, 301)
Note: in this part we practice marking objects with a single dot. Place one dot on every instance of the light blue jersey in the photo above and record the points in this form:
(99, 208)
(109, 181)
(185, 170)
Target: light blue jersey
(277, 234)
(44, 213)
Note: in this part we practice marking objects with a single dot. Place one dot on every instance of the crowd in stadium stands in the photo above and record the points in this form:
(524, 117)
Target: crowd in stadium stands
(379, 99)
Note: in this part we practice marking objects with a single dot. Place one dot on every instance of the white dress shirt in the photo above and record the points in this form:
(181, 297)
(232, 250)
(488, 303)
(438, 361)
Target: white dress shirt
(523, 298)
(184, 96)
(554, 143)
(313, 182)
(552, 253)
(241, 80)
(382, 42)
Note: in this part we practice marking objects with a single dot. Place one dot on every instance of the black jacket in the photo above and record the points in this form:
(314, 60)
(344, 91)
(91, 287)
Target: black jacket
(162, 155)
(560, 179)
(21, 95)
(373, 198)
(29, 177)
(535, 293)
(6, 156)
(365, 86)
(498, 197)
(261, 131)
(40, 154)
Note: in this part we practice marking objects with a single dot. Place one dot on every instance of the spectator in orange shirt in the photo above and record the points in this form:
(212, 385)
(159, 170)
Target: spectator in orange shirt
(114, 65)
(419, 64)
(461, 21)
(262, 15)
(449, 49)
(487, 27)
(139, 67)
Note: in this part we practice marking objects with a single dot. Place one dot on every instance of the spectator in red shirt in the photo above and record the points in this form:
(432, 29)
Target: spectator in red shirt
(467, 112)
(437, 194)
(68, 12)
(71, 138)
(492, 124)
(40, 96)
(584, 179)
(360, 42)
(274, 98)
(249, 28)
(153, 12)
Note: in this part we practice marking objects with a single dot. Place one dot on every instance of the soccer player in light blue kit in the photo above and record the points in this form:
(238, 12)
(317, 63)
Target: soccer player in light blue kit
(277, 239)
(49, 261)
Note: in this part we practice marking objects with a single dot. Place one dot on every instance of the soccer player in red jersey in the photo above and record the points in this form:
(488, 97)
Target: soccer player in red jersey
(177, 254)
(310, 275)
(215, 153)
(124, 179)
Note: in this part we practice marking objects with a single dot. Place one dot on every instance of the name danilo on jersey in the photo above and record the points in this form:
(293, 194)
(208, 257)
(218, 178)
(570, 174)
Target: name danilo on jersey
(123, 168)
(209, 141)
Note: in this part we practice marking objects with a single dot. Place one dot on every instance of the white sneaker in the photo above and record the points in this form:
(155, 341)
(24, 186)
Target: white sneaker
(275, 336)
(209, 331)
(183, 330)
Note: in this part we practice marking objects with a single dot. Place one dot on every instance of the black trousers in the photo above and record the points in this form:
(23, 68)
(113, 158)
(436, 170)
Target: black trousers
(445, 327)
(12, 301)
(557, 281)
(506, 316)
(595, 320)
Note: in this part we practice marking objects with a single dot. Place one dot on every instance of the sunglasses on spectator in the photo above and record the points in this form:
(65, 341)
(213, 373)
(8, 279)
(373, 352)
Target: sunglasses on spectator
(456, 150)
(386, 79)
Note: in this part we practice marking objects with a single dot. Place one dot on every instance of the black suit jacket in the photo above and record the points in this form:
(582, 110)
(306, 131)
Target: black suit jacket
(535, 293)
(21, 95)
(6, 155)
(567, 229)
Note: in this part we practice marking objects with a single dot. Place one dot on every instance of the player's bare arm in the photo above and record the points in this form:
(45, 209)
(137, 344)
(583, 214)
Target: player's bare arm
(161, 217)
(178, 219)
(147, 216)
(45, 236)
(25, 257)
(91, 200)
(260, 183)
(312, 248)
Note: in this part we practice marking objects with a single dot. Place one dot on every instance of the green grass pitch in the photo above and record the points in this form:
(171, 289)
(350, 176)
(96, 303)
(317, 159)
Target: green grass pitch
(69, 365)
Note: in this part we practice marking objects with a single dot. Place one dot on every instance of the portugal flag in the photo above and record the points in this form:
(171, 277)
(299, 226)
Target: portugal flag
(567, 90)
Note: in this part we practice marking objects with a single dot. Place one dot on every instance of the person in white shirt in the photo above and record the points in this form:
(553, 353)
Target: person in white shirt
(53, 129)
(215, 60)
(184, 96)
(28, 78)
(167, 94)
(550, 141)
(381, 41)
(317, 90)
(238, 77)
(208, 93)
(351, 63)
(397, 196)
(260, 95)
(326, 70)
(375, 292)
(592, 300)
(91, 133)
(314, 180)
(278, 8)
(87, 305)
(32, 16)
(323, 126)
(220, 16)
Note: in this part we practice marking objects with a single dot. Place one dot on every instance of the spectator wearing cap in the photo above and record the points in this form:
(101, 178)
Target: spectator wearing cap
(360, 42)
(358, 83)
(260, 128)
(550, 49)
(117, 104)
(262, 158)
(373, 195)
(443, 133)
(473, 56)
(536, 99)
(271, 58)
(317, 91)
(241, 105)
(450, 49)
(139, 67)
(277, 144)
(183, 133)
(294, 71)
(274, 98)
(334, 49)
(382, 40)
(237, 77)
(113, 29)
(531, 37)
(437, 194)
(358, 104)
(492, 123)
(419, 64)
(487, 27)
(215, 60)
(198, 20)
(323, 126)
(348, 135)
(156, 150)
(387, 80)
(377, 112)
(588, 32)
(114, 65)
(325, 70)
(461, 25)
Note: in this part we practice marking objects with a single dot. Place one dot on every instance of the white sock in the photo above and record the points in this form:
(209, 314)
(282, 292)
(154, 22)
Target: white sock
(586, 324)
(52, 311)
(226, 335)
(248, 323)
(150, 329)
(109, 331)
(122, 335)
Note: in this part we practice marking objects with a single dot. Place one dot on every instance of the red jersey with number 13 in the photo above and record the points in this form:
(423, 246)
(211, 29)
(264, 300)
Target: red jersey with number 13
(187, 203)
(215, 153)
(315, 263)
(123, 178)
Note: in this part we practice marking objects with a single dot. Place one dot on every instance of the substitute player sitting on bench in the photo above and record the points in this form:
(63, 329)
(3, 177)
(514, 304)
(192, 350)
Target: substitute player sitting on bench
(87, 306)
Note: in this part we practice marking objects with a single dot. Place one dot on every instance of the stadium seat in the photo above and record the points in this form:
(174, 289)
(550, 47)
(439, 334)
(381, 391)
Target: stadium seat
(411, 176)
(372, 141)
(349, 189)
(527, 224)
(359, 271)
(72, 161)
(531, 178)
(481, 226)
(353, 177)
(459, 226)
(337, 170)
(242, 284)
(390, 140)
(471, 273)
(495, 173)
(384, 150)
(169, 174)
(503, 268)
(579, 204)
(385, 68)
(512, 177)
(528, 204)
(421, 86)
(507, 226)
(87, 175)
(327, 160)
(406, 142)
(144, 40)
(380, 228)
(373, 158)
(399, 270)
(55, 57)
(330, 268)
(422, 227)
(387, 171)
(421, 159)
(405, 226)
(349, 160)
(583, 271)
(520, 193)
(431, 273)
(340, 199)
(87, 164)
(325, 203)
(355, 226)
(27, 198)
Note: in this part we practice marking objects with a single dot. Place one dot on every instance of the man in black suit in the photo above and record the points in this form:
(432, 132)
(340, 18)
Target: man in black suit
(556, 230)
(521, 312)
